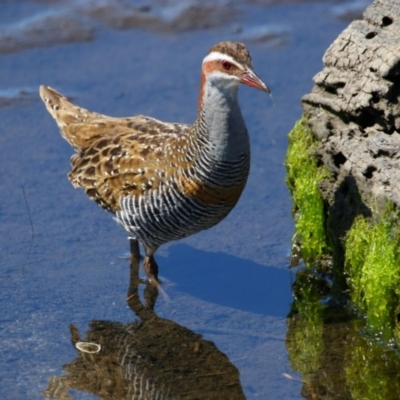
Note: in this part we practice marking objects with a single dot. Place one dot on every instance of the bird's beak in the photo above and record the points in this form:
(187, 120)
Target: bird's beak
(249, 78)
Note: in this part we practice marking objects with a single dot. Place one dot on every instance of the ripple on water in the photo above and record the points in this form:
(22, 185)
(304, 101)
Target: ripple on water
(65, 21)
(17, 96)
(274, 34)
(44, 29)
(167, 16)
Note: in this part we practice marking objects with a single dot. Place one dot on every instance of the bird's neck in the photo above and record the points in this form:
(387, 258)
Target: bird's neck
(220, 121)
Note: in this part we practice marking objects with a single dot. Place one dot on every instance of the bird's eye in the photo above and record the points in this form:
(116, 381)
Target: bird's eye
(226, 64)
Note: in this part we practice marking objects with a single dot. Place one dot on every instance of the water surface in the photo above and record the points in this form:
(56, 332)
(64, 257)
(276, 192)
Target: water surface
(62, 258)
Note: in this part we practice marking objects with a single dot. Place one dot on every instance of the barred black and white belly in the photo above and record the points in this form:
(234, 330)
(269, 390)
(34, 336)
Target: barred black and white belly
(173, 211)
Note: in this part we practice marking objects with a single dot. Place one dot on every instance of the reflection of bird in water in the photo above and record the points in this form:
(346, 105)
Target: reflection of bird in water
(165, 181)
(153, 358)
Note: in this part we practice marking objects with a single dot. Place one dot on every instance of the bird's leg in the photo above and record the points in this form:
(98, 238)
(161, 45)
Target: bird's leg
(134, 247)
(133, 298)
(151, 268)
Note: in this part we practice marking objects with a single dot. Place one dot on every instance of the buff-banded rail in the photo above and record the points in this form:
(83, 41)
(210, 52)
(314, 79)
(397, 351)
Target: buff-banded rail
(165, 181)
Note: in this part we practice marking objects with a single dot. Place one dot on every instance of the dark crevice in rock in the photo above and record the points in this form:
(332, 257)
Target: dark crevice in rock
(393, 93)
(339, 159)
(394, 73)
(334, 88)
(318, 160)
(369, 171)
(391, 125)
(366, 117)
(375, 97)
(386, 21)
(382, 153)
(371, 35)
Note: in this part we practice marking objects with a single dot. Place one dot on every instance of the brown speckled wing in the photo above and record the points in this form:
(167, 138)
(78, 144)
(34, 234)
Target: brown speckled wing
(117, 156)
(130, 157)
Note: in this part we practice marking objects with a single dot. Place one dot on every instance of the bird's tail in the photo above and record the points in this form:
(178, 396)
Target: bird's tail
(74, 122)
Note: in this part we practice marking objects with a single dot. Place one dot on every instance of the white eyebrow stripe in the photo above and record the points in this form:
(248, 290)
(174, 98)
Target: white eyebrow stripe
(217, 56)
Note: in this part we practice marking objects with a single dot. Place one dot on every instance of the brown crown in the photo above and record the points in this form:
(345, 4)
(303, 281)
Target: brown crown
(235, 50)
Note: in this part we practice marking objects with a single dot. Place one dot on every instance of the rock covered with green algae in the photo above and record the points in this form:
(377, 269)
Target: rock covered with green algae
(363, 242)
(343, 167)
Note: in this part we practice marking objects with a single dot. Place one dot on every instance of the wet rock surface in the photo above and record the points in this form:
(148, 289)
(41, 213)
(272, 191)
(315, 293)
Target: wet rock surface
(354, 106)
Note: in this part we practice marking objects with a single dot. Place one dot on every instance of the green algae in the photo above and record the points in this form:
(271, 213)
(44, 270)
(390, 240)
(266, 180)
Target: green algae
(372, 265)
(303, 177)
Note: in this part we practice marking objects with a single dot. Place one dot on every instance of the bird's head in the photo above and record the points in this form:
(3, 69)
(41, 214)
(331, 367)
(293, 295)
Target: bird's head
(227, 65)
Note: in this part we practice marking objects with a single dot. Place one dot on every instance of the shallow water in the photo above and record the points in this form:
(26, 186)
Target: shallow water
(62, 258)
